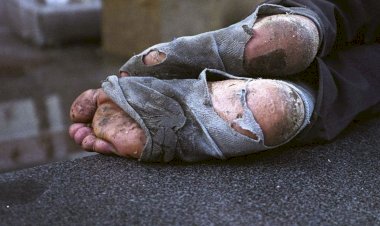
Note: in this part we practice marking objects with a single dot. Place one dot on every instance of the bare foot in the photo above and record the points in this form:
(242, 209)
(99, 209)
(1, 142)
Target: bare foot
(101, 126)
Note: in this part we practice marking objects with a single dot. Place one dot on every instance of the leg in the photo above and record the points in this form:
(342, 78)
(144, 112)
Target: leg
(113, 131)
(342, 23)
(346, 65)
(349, 85)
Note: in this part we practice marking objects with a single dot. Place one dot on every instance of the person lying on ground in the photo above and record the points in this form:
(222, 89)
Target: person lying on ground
(291, 71)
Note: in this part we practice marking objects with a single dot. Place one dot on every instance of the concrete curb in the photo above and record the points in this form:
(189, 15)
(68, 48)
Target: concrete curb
(47, 25)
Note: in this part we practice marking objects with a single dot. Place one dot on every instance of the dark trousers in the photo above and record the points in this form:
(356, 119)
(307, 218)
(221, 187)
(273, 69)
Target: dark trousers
(346, 72)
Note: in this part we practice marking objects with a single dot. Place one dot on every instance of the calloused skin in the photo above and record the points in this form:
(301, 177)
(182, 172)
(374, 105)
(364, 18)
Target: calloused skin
(100, 125)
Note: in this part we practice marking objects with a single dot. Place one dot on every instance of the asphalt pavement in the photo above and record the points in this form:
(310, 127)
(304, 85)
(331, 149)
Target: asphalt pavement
(327, 184)
(322, 184)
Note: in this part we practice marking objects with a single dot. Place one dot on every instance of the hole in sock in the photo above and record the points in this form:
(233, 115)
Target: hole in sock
(228, 105)
(154, 57)
(245, 132)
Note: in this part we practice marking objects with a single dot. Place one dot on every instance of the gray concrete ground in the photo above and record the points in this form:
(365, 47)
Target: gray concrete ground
(331, 184)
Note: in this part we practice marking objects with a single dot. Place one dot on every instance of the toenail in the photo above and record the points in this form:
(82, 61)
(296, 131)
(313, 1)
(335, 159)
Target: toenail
(88, 143)
(154, 57)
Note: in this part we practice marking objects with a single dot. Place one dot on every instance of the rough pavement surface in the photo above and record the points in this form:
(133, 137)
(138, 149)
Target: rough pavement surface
(336, 183)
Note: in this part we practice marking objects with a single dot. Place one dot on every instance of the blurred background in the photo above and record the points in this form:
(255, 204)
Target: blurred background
(52, 50)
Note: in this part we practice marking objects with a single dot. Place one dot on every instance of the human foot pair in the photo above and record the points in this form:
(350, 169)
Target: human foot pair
(289, 41)
(275, 106)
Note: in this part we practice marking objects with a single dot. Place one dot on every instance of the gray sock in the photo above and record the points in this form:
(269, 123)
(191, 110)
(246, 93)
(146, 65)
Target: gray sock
(180, 122)
(223, 49)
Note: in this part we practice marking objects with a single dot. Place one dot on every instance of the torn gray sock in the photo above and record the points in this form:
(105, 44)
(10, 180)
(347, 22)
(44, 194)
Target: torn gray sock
(223, 49)
(179, 120)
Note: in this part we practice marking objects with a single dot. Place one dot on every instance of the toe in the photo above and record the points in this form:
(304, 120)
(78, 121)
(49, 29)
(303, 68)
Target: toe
(74, 128)
(84, 107)
(104, 147)
(81, 133)
(93, 143)
(88, 142)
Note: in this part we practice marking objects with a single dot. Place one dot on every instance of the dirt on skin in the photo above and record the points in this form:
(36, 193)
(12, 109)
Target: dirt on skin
(82, 111)
(276, 107)
(281, 45)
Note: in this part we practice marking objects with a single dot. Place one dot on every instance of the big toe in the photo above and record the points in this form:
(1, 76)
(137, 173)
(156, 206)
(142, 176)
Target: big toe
(84, 107)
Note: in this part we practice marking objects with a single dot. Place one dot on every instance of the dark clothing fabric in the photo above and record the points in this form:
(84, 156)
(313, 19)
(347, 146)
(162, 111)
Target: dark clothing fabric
(345, 23)
(347, 67)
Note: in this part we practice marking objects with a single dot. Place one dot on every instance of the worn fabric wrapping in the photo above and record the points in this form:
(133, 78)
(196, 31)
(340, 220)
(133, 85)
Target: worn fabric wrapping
(179, 121)
(347, 62)
(345, 73)
(223, 49)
